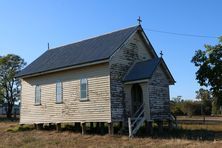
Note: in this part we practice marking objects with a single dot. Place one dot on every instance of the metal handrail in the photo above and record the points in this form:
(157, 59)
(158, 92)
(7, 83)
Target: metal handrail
(134, 115)
(135, 119)
(134, 122)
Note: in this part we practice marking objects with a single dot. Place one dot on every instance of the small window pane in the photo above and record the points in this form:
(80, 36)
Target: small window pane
(83, 89)
(59, 92)
(37, 94)
(83, 94)
(83, 86)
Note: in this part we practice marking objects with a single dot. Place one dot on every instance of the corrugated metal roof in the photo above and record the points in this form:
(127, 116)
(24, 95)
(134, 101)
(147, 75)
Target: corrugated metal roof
(142, 70)
(86, 51)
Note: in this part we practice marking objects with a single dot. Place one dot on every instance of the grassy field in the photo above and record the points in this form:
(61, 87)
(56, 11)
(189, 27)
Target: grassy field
(12, 137)
(208, 118)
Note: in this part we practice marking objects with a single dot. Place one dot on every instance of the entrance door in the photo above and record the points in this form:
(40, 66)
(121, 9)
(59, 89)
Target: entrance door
(137, 97)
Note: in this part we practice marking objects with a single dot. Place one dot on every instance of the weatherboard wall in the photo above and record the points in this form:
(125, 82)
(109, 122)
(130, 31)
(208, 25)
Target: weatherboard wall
(123, 59)
(96, 109)
(158, 88)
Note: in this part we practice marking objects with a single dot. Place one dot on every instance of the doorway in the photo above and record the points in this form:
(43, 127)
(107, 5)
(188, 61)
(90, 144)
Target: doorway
(137, 97)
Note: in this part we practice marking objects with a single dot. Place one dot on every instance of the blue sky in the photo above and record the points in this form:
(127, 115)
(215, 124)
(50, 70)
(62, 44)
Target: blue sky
(26, 26)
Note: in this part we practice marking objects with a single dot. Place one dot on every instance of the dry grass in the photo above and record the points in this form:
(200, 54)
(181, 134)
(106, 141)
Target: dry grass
(212, 118)
(212, 127)
(34, 138)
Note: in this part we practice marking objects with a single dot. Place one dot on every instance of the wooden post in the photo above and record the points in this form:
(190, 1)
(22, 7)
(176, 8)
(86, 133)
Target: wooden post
(102, 128)
(91, 127)
(121, 127)
(39, 126)
(110, 128)
(146, 127)
(77, 126)
(35, 126)
(170, 126)
(121, 124)
(160, 126)
(58, 127)
(150, 127)
(15, 114)
(97, 127)
(83, 125)
(130, 128)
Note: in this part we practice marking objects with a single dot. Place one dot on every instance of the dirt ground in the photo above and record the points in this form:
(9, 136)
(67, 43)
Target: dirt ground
(34, 138)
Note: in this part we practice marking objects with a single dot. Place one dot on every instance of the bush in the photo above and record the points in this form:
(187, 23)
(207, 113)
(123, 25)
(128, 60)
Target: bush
(20, 128)
(190, 108)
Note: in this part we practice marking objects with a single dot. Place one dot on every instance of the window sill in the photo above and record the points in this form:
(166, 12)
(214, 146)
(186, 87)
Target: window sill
(84, 100)
(59, 103)
(37, 104)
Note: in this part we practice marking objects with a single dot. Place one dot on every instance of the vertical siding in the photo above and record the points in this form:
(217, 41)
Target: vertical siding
(159, 95)
(96, 109)
(135, 50)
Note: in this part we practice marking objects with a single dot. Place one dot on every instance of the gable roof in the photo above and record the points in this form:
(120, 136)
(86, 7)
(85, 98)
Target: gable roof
(145, 69)
(86, 51)
(142, 70)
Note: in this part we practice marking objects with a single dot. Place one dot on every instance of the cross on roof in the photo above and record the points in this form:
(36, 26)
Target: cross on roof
(161, 53)
(139, 20)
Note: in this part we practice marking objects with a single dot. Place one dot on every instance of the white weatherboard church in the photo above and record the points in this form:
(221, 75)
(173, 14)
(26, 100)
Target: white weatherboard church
(113, 78)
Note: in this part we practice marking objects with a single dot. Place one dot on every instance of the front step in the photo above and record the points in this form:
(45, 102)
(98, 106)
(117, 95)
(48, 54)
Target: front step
(136, 121)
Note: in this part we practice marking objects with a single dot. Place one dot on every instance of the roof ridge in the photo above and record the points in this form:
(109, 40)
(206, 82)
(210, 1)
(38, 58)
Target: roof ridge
(72, 54)
(96, 36)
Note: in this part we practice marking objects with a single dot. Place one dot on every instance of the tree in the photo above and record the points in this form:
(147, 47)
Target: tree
(176, 106)
(209, 73)
(1, 97)
(189, 107)
(9, 85)
(177, 99)
(206, 101)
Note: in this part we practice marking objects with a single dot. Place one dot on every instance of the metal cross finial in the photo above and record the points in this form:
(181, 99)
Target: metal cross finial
(48, 46)
(161, 53)
(139, 20)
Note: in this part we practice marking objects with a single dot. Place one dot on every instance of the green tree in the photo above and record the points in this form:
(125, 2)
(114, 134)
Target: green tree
(206, 101)
(1, 97)
(209, 73)
(176, 105)
(189, 107)
(9, 85)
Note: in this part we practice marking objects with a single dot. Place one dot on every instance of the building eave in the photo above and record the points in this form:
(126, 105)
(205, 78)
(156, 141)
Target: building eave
(136, 81)
(64, 68)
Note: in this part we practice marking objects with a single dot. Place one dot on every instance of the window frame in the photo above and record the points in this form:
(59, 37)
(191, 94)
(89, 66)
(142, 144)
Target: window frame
(61, 93)
(37, 90)
(86, 90)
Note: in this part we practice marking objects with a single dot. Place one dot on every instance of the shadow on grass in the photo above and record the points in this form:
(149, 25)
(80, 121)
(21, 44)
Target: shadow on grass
(89, 130)
(180, 133)
(12, 119)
